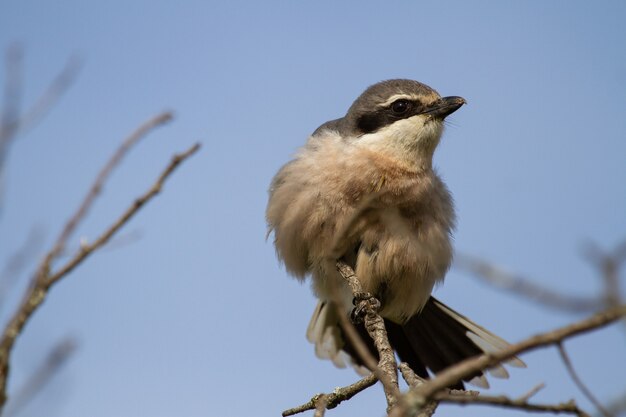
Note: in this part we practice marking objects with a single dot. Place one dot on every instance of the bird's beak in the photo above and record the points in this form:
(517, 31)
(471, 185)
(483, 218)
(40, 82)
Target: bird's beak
(441, 108)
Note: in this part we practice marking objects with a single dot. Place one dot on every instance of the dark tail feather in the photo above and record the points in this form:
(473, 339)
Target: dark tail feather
(439, 337)
(434, 339)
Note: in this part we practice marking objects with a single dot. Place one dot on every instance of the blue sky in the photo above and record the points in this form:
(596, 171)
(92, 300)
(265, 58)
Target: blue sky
(197, 317)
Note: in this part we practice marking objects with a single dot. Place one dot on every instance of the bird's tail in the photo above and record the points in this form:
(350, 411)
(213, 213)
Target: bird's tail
(432, 340)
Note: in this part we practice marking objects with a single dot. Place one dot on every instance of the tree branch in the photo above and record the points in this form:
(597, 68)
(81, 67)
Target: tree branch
(335, 398)
(102, 177)
(417, 397)
(375, 326)
(44, 278)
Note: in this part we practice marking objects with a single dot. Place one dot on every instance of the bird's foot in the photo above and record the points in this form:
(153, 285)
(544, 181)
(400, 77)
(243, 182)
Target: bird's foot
(364, 303)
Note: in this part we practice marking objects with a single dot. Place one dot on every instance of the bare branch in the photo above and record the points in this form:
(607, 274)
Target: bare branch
(532, 392)
(44, 278)
(87, 249)
(411, 378)
(583, 388)
(375, 326)
(518, 285)
(95, 189)
(417, 397)
(336, 397)
(569, 407)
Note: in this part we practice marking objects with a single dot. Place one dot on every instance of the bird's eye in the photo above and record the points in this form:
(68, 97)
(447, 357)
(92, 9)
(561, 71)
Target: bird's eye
(400, 106)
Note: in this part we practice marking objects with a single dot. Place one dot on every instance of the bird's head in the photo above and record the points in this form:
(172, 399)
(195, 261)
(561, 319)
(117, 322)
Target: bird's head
(402, 118)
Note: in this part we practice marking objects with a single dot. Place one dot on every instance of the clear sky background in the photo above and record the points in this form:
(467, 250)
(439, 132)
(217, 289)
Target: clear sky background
(197, 317)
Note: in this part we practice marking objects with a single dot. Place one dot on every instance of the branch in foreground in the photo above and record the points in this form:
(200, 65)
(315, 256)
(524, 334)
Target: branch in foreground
(335, 398)
(375, 326)
(462, 397)
(44, 278)
(416, 398)
(413, 380)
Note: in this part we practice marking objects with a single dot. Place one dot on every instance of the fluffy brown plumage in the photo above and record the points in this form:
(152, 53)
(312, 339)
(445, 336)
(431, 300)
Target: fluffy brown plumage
(363, 189)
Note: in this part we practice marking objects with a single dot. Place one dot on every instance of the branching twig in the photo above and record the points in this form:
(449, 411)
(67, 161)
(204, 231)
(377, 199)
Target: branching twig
(583, 388)
(417, 397)
(87, 249)
(411, 378)
(95, 189)
(44, 277)
(336, 397)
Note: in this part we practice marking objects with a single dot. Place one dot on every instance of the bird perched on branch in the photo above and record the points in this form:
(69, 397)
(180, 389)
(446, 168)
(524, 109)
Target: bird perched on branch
(363, 190)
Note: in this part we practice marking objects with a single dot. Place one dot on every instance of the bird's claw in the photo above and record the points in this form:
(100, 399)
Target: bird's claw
(364, 303)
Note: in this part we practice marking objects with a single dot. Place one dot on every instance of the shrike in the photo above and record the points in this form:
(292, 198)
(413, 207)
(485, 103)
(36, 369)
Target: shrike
(363, 189)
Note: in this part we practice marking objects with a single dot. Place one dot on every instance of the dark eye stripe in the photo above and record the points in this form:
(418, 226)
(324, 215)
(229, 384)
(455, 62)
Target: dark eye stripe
(371, 122)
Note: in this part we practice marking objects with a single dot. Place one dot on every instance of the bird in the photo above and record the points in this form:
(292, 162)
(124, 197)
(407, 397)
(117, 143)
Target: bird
(363, 190)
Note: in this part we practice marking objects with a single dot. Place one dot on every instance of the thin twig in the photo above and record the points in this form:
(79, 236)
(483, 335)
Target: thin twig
(44, 278)
(534, 390)
(518, 285)
(569, 407)
(87, 249)
(350, 330)
(320, 407)
(336, 397)
(417, 397)
(96, 188)
(410, 377)
(583, 388)
(413, 380)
